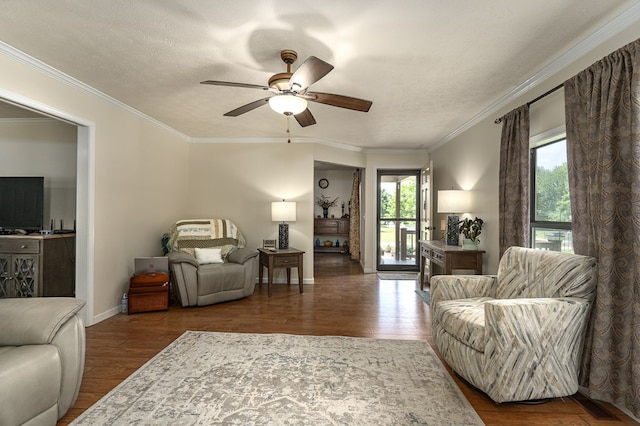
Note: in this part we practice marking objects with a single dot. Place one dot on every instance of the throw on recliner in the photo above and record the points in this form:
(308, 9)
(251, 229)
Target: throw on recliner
(517, 335)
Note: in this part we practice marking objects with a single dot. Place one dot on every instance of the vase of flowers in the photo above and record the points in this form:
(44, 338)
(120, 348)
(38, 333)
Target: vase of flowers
(471, 229)
(325, 203)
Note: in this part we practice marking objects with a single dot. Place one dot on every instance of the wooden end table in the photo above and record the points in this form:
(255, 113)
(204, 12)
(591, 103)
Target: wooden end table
(280, 258)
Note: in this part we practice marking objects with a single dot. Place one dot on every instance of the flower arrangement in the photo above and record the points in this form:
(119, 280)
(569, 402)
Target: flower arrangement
(326, 202)
(471, 228)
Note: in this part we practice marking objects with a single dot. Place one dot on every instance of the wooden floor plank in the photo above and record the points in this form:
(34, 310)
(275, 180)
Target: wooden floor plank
(343, 301)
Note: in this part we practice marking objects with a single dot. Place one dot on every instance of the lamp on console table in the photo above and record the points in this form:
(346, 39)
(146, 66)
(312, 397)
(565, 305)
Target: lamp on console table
(283, 211)
(453, 202)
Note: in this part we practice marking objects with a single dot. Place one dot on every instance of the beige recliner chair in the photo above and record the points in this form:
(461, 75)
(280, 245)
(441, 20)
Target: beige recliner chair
(209, 262)
(42, 350)
(519, 335)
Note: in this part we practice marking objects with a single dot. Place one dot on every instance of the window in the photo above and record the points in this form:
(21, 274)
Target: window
(550, 206)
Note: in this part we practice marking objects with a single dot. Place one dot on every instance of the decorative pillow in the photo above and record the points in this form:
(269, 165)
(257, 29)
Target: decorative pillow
(208, 255)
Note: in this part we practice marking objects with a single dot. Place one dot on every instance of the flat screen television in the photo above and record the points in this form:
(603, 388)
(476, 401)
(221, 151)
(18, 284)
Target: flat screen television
(21, 203)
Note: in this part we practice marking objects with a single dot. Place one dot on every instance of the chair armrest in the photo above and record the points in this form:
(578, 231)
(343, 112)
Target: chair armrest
(546, 334)
(241, 255)
(184, 276)
(451, 287)
(543, 319)
(182, 257)
(35, 320)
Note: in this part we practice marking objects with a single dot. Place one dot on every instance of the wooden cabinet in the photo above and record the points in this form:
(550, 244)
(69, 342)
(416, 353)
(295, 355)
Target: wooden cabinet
(448, 258)
(37, 266)
(331, 227)
(332, 230)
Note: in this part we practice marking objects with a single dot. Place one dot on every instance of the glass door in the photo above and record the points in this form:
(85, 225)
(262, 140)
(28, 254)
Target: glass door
(397, 220)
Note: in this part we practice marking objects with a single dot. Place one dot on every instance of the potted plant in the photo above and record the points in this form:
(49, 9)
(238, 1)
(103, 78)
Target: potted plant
(325, 203)
(471, 229)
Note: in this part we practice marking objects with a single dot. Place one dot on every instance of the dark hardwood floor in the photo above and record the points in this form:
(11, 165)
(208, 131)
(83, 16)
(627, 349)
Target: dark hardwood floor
(343, 301)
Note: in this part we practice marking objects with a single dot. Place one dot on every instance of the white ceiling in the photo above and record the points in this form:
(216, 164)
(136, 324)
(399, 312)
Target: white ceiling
(429, 66)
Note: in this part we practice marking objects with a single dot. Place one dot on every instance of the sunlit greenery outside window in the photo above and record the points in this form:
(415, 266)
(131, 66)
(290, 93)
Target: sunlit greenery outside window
(550, 205)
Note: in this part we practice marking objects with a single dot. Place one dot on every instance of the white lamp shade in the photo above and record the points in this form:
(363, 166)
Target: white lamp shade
(453, 201)
(287, 104)
(283, 211)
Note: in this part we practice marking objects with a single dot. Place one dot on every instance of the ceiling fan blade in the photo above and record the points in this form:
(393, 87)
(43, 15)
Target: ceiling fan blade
(231, 84)
(340, 101)
(305, 118)
(311, 70)
(246, 108)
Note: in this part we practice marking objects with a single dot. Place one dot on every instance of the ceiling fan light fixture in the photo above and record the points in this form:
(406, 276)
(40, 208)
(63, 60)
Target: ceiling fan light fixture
(287, 104)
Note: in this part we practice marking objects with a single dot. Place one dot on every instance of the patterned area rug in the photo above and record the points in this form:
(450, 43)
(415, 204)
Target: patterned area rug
(205, 378)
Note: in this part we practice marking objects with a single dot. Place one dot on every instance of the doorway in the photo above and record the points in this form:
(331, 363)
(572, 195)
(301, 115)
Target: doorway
(85, 181)
(398, 216)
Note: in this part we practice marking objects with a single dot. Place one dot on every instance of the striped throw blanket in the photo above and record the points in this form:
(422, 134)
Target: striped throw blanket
(187, 235)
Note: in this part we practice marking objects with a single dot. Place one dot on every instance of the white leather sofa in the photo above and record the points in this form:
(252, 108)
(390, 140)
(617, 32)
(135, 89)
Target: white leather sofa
(42, 350)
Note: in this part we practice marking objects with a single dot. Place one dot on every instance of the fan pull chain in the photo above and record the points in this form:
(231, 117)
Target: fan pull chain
(288, 128)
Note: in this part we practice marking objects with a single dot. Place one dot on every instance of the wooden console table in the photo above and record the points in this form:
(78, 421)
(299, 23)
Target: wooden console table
(448, 258)
(280, 258)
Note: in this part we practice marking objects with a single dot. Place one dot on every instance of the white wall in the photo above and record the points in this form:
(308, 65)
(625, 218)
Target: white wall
(340, 186)
(238, 181)
(471, 160)
(134, 172)
(43, 147)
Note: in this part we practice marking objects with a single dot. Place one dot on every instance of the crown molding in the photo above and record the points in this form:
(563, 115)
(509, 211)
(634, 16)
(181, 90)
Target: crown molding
(277, 140)
(44, 121)
(55, 74)
(397, 151)
(618, 24)
(317, 141)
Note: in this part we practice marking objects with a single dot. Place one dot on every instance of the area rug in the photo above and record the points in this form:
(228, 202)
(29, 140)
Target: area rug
(398, 276)
(205, 378)
(425, 296)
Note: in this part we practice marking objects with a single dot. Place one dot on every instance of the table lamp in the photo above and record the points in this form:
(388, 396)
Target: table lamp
(283, 211)
(453, 201)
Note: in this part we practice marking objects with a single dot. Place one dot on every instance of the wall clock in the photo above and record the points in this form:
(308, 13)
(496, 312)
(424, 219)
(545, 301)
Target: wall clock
(323, 183)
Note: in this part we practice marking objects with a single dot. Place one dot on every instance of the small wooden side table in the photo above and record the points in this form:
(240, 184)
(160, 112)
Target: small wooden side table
(280, 258)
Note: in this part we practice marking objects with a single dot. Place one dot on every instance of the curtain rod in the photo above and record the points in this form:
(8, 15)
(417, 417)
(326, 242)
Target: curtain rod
(545, 94)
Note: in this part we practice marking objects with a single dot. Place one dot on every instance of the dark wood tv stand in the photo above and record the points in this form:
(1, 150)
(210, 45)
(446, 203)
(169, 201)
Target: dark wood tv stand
(38, 265)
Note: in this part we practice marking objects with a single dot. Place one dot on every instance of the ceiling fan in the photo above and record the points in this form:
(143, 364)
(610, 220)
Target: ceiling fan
(291, 91)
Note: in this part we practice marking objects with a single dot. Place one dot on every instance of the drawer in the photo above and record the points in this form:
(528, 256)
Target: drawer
(19, 246)
(149, 301)
(437, 258)
(285, 261)
(331, 227)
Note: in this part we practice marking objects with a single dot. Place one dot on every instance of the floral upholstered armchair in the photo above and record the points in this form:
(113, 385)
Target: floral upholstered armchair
(517, 335)
(209, 262)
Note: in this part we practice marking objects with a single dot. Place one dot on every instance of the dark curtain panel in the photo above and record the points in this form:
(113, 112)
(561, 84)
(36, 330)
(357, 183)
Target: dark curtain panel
(354, 218)
(603, 144)
(513, 228)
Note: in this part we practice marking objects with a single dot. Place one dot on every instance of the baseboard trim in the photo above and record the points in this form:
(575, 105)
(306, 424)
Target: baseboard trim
(596, 410)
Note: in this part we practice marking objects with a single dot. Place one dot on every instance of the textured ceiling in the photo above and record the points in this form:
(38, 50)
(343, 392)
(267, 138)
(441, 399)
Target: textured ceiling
(429, 66)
